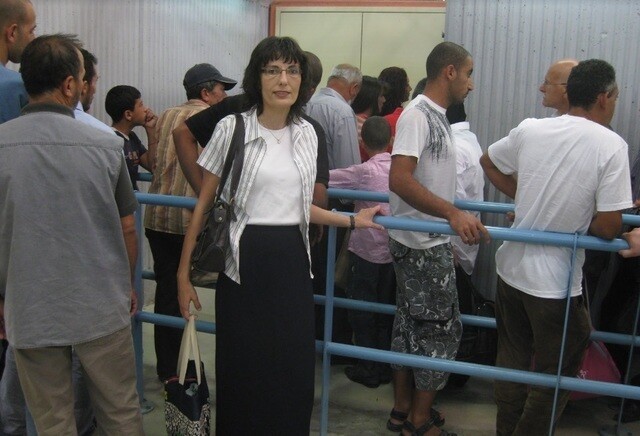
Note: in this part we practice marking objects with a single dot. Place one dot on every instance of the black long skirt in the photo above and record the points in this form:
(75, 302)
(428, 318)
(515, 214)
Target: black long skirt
(265, 351)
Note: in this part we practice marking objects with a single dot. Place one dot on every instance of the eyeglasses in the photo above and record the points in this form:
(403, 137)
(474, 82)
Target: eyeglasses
(272, 72)
(547, 83)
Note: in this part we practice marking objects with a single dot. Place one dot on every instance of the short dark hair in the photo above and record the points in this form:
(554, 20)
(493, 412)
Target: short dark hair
(48, 60)
(367, 97)
(445, 54)
(195, 91)
(587, 80)
(376, 133)
(120, 99)
(456, 113)
(90, 62)
(271, 49)
(419, 88)
(315, 68)
(396, 80)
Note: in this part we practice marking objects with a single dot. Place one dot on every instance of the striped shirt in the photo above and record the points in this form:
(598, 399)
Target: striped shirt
(305, 150)
(168, 178)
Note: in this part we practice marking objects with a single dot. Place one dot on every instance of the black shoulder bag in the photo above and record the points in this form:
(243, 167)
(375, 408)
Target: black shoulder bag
(208, 256)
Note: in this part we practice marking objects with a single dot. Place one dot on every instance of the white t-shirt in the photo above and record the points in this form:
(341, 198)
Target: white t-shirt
(424, 132)
(271, 200)
(568, 168)
(469, 185)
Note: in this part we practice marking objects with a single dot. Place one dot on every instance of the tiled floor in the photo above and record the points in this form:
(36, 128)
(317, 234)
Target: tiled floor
(357, 410)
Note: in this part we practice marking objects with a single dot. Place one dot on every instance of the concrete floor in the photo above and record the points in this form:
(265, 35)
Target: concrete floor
(357, 410)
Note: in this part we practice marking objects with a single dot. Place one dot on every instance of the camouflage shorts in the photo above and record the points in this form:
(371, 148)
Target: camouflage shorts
(427, 320)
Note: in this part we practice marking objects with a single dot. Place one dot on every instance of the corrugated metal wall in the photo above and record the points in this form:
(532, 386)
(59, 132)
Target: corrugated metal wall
(514, 42)
(150, 44)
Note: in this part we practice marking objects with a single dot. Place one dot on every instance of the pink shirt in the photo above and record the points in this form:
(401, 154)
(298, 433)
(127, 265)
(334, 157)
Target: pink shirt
(373, 175)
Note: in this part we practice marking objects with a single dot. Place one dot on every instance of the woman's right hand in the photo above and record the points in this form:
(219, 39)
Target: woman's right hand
(364, 218)
(186, 295)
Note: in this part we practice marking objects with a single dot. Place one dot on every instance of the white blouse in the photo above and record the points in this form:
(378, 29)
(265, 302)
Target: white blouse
(304, 146)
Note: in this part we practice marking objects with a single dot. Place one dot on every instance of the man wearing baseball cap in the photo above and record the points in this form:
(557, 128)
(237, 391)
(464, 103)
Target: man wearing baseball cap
(204, 82)
(165, 226)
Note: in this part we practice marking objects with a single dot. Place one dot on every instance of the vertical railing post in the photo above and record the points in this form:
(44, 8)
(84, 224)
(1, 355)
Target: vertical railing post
(328, 331)
(567, 314)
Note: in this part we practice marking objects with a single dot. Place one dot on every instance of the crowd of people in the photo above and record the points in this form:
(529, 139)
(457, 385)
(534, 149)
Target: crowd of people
(68, 246)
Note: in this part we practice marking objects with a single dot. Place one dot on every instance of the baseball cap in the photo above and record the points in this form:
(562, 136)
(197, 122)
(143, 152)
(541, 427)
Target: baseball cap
(202, 73)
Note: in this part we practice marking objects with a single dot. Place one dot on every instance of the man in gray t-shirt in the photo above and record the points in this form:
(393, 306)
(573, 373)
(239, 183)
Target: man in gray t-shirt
(67, 249)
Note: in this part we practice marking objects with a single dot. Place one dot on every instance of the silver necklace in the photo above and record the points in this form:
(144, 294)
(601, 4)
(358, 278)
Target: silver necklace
(274, 136)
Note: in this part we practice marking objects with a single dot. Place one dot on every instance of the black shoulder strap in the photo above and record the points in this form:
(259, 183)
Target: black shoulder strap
(236, 150)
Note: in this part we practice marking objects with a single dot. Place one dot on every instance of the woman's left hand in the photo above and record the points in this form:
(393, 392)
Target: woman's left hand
(364, 218)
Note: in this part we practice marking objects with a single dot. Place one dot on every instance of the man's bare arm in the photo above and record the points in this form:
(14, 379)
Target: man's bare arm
(320, 199)
(402, 182)
(187, 152)
(606, 225)
(507, 184)
(130, 236)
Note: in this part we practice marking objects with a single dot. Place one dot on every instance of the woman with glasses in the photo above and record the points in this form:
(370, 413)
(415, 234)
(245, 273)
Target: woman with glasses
(265, 349)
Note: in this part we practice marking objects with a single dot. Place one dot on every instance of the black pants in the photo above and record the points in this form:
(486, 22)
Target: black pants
(166, 249)
(373, 282)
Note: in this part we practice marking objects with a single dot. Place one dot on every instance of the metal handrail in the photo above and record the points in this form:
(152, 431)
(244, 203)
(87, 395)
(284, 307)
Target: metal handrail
(329, 348)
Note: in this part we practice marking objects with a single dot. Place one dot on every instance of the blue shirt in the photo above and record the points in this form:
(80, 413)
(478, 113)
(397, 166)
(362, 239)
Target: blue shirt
(13, 96)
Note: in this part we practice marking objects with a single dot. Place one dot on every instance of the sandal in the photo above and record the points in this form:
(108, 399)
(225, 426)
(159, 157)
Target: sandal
(420, 431)
(399, 416)
(436, 417)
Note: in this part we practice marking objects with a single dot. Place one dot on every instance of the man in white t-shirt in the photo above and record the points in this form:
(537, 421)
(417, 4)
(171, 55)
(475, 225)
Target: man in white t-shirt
(573, 177)
(422, 182)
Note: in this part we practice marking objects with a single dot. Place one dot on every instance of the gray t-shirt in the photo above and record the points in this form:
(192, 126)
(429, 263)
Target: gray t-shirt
(64, 271)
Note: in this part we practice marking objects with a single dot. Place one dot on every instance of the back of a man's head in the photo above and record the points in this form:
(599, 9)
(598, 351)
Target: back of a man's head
(419, 88)
(456, 113)
(589, 79)
(315, 69)
(90, 62)
(445, 54)
(49, 60)
(376, 133)
(120, 99)
(346, 72)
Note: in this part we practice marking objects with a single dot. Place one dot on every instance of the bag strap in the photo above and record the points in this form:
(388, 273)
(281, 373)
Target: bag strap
(236, 151)
(188, 347)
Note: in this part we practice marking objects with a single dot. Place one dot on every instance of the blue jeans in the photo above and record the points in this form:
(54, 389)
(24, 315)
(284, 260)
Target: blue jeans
(373, 282)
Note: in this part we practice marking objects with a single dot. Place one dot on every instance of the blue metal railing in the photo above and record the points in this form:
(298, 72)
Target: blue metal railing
(329, 348)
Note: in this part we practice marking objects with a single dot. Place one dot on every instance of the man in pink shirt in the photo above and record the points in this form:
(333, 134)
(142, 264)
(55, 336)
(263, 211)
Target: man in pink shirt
(371, 270)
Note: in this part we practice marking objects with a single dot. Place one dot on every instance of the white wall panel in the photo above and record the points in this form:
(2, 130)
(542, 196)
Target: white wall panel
(514, 42)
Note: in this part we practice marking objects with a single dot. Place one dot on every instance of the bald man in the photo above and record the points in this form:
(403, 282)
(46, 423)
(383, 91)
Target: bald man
(554, 87)
(17, 27)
